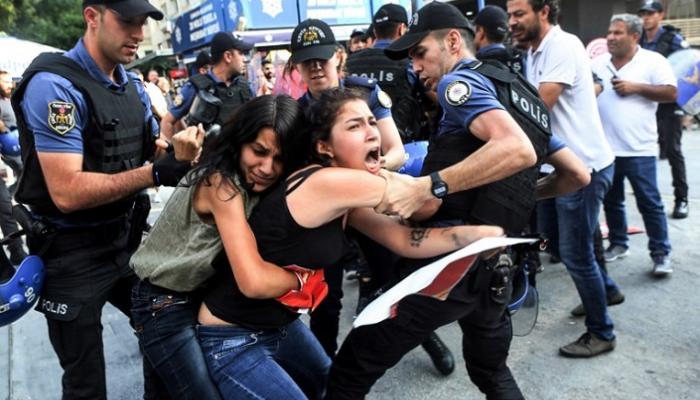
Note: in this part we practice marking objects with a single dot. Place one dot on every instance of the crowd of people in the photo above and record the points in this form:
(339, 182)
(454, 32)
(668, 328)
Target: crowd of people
(275, 197)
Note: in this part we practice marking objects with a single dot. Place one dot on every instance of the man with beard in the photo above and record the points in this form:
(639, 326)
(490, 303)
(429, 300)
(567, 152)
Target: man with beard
(86, 130)
(666, 40)
(636, 80)
(267, 78)
(559, 67)
(224, 81)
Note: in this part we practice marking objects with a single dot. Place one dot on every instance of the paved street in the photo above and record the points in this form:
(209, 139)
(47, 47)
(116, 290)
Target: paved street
(657, 328)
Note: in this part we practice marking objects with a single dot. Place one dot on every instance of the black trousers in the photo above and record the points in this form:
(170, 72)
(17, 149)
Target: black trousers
(84, 270)
(670, 132)
(369, 351)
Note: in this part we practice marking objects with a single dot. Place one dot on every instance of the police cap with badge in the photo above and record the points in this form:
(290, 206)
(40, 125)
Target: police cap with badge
(313, 39)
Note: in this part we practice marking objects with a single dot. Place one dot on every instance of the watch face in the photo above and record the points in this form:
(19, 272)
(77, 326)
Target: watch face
(439, 190)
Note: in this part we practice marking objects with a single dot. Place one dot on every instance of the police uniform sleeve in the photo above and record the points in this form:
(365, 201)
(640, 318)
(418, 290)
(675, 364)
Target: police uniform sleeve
(465, 96)
(56, 112)
(679, 43)
(555, 144)
(183, 101)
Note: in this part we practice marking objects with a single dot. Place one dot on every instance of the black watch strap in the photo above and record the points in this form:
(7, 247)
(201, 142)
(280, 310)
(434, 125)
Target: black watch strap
(438, 186)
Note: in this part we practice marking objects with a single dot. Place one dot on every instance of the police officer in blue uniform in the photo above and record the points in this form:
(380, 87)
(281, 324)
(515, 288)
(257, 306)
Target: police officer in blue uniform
(482, 164)
(313, 47)
(213, 97)
(666, 39)
(86, 130)
(491, 30)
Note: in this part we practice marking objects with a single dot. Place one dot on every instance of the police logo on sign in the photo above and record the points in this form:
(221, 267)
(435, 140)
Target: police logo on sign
(457, 93)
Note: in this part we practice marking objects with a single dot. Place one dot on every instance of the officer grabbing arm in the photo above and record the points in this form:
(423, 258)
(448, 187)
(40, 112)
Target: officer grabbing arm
(86, 129)
(497, 147)
(211, 98)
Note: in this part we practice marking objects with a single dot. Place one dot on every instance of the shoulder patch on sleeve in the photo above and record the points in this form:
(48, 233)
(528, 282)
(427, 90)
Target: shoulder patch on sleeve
(61, 116)
(384, 99)
(458, 92)
(178, 100)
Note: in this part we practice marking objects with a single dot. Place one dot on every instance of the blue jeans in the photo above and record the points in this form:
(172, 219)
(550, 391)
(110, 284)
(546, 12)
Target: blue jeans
(165, 324)
(641, 172)
(283, 363)
(577, 216)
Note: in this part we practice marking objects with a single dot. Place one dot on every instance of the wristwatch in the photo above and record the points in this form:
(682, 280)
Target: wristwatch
(438, 186)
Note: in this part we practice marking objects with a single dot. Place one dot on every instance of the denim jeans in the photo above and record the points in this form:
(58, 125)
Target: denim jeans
(577, 216)
(641, 172)
(283, 363)
(165, 325)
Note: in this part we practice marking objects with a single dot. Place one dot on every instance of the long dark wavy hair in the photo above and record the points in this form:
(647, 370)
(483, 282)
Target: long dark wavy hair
(221, 154)
(322, 115)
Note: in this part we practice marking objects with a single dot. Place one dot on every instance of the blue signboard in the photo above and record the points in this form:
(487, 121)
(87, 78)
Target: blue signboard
(195, 28)
(337, 12)
(269, 14)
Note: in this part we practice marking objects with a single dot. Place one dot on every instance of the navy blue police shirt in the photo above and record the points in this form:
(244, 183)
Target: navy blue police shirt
(677, 43)
(380, 109)
(463, 95)
(46, 87)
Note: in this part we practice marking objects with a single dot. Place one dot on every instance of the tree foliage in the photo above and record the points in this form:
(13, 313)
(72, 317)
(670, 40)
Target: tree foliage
(57, 23)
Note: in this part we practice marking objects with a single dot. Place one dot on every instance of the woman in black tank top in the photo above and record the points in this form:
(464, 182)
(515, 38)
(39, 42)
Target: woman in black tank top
(257, 344)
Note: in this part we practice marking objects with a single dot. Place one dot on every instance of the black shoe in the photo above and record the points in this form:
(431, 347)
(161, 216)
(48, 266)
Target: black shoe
(680, 210)
(613, 300)
(587, 346)
(439, 353)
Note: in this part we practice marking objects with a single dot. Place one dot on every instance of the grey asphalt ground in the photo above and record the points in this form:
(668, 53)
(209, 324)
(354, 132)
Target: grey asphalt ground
(657, 327)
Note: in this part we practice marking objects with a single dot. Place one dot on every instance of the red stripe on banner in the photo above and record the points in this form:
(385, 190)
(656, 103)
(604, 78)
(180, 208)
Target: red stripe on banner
(448, 278)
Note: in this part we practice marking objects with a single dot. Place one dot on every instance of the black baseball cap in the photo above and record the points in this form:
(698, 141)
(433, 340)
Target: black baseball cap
(203, 59)
(390, 13)
(358, 32)
(224, 41)
(312, 39)
(653, 6)
(128, 8)
(431, 17)
(493, 19)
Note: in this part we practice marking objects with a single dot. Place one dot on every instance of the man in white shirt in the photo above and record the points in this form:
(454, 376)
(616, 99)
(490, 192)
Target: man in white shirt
(635, 80)
(558, 66)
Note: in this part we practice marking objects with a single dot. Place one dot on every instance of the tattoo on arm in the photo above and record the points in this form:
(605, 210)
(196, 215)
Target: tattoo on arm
(459, 243)
(418, 235)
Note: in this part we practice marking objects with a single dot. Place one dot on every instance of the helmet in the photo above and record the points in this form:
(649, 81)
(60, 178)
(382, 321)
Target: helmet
(415, 154)
(18, 295)
(9, 143)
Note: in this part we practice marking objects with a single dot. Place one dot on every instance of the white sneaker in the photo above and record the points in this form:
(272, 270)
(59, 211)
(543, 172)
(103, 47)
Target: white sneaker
(662, 265)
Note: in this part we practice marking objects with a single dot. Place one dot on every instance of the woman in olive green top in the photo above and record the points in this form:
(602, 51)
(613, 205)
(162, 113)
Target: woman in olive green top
(206, 212)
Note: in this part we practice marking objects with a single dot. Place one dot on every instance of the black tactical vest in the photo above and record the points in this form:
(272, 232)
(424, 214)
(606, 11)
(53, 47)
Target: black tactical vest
(509, 202)
(392, 77)
(114, 140)
(232, 96)
(665, 42)
(509, 56)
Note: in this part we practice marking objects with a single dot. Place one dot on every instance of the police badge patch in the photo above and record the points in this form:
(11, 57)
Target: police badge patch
(178, 100)
(61, 116)
(457, 93)
(384, 99)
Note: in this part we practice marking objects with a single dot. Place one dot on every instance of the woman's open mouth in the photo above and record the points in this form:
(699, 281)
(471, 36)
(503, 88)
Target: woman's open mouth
(372, 161)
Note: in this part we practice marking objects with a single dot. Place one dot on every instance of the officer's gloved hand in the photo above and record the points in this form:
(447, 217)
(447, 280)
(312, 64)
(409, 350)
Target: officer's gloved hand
(167, 171)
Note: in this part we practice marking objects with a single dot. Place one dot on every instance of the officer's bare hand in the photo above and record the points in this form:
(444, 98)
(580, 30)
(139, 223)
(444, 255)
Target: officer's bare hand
(403, 194)
(624, 88)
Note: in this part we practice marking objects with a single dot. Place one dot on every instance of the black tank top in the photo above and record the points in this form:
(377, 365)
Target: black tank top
(281, 241)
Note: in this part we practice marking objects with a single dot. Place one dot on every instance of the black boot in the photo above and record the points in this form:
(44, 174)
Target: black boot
(439, 353)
